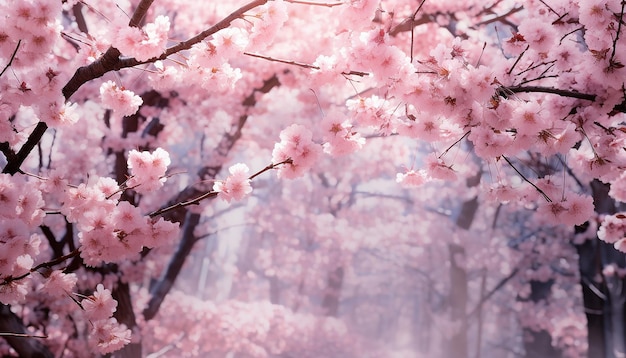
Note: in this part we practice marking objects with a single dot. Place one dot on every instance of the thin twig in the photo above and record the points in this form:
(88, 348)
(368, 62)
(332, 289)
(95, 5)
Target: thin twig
(549, 8)
(545, 196)
(619, 28)
(455, 143)
(12, 57)
(315, 3)
(518, 59)
(413, 26)
(301, 64)
(23, 335)
(47, 264)
(211, 194)
(560, 92)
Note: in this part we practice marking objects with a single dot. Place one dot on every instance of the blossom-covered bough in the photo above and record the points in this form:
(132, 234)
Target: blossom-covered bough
(117, 119)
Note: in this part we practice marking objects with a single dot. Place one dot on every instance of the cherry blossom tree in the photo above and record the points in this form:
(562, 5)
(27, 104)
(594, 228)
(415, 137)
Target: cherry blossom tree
(472, 152)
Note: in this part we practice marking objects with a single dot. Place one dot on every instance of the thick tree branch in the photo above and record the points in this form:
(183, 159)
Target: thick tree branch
(222, 149)
(495, 289)
(110, 61)
(165, 284)
(24, 344)
(186, 45)
(560, 92)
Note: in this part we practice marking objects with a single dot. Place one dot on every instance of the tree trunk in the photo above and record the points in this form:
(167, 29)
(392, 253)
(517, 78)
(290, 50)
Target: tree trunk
(126, 315)
(457, 344)
(24, 346)
(330, 303)
(593, 302)
(538, 344)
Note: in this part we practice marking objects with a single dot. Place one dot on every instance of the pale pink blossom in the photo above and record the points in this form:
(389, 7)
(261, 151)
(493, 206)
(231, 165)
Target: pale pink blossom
(296, 144)
(107, 335)
(147, 169)
(119, 99)
(236, 186)
(59, 114)
(60, 284)
(100, 305)
(143, 44)
(412, 178)
(613, 228)
(339, 135)
(438, 169)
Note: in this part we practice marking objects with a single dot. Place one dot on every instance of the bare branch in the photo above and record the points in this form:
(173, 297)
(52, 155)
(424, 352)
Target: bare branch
(12, 58)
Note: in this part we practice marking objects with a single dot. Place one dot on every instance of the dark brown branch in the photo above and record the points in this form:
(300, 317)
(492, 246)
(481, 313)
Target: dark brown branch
(186, 45)
(501, 18)
(12, 58)
(545, 196)
(110, 61)
(165, 284)
(211, 194)
(491, 293)
(560, 92)
(301, 64)
(46, 264)
(77, 10)
(18, 339)
(140, 12)
(619, 29)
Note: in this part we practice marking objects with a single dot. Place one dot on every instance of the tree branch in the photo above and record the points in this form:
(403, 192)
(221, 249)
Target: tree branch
(18, 339)
(165, 284)
(560, 92)
(110, 61)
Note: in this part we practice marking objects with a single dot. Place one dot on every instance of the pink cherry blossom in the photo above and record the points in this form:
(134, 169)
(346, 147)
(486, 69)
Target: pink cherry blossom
(296, 144)
(100, 305)
(236, 186)
(143, 44)
(147, 169)
(119, 99)
(107, 335)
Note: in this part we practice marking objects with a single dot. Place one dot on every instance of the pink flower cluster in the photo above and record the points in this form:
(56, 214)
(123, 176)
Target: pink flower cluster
(110, 231)
(20, 210)
(296, 144)
(143, 44)
(224, 45)
(147, 169)
(119, 99)
(271, 18)
(36, 23)
(575, 209)
(435, 168)
(412, 178)
(59, 113)
(106, 335)
(236, 186)
(613, 230)
(339, 135)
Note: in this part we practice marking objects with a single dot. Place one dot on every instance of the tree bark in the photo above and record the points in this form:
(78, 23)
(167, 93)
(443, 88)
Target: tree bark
(24, 346)
(330, 303)
(457, 344)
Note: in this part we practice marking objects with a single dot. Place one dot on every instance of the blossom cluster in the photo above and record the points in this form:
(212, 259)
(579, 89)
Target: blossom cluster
(20, 210)
(613, 230)
(339, 136)
(143, 44)
(122, 101)
(109, 230)
(107, 334)
(147, 169)
(236, 186)
(296, 143)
